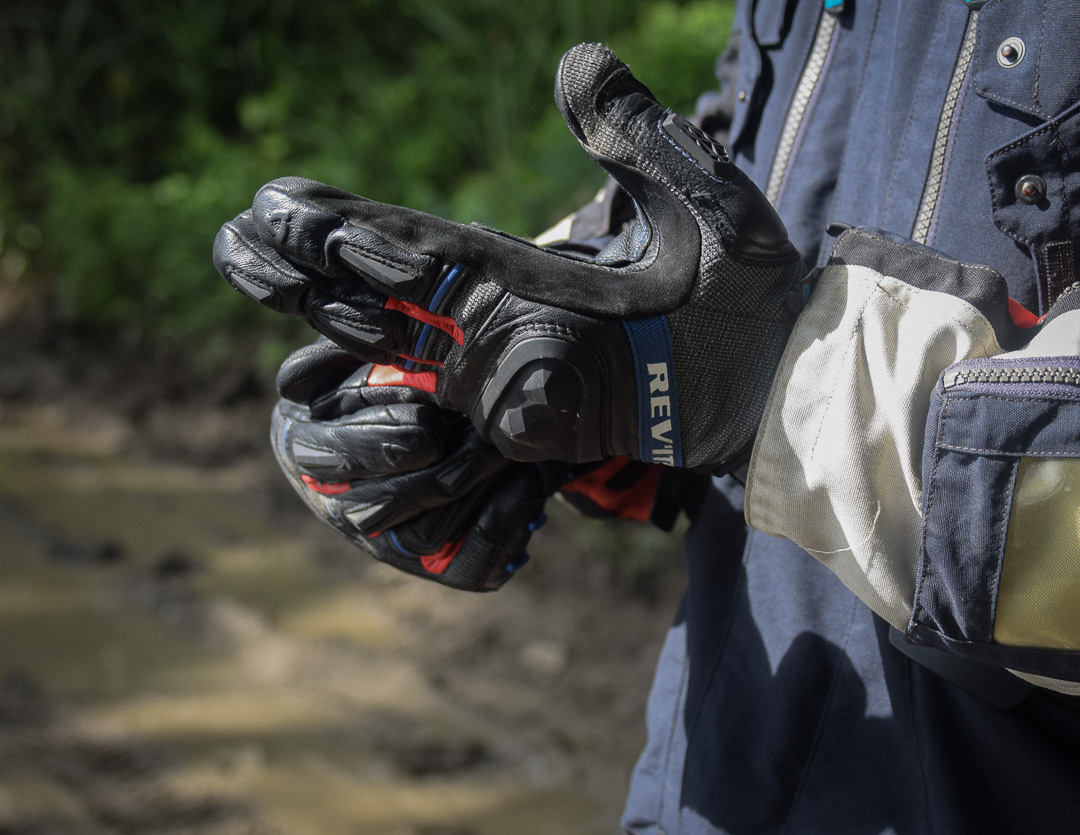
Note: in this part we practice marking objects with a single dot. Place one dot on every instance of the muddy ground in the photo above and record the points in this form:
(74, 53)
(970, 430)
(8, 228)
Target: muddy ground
(184, 650)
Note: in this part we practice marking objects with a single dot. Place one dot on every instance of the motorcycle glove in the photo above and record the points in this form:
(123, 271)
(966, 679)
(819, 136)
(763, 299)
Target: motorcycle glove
(417, 489)
(410, 484)
(662, 347)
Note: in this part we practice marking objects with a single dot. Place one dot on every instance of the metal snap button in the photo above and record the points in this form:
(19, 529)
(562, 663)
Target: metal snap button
(1031, 188)
(1010, 53)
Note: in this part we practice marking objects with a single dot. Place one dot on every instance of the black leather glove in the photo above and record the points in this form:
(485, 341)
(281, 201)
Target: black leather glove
(416, 486)
(662, 347)
(411, 484)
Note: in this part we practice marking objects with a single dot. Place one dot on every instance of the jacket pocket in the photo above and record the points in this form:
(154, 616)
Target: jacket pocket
(1026, 55)
(999, 569)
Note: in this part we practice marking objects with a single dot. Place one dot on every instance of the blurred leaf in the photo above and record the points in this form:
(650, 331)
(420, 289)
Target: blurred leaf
(131, 129)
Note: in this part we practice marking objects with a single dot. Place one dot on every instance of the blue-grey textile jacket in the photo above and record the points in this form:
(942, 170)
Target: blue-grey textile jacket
(916, 671)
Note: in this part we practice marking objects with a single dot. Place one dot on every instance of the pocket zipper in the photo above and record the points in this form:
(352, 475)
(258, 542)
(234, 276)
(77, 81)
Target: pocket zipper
(1011, 375)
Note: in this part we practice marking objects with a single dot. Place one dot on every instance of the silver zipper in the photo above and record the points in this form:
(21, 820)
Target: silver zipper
(934, 178)
(811, 73)
(1017, 374)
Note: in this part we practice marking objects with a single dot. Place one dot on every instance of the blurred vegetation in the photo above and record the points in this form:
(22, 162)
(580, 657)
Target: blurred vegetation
(131, 129)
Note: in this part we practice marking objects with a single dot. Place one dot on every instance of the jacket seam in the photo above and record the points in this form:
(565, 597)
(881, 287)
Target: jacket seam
(1048, 397)
(670, 742)
(918, 610)
(849, 350)
(822, 720)
(916, 737)
(840, 181)
(995, 587)
(907, 127)
(722, 644)
(1038, 64)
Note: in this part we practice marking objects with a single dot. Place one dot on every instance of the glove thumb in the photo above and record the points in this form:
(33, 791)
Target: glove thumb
(602, 102)
(661, 159)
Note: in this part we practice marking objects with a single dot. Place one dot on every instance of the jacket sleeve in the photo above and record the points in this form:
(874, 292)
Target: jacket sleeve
(926, 448)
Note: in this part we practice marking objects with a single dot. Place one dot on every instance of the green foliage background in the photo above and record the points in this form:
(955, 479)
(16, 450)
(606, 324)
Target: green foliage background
(131, 129)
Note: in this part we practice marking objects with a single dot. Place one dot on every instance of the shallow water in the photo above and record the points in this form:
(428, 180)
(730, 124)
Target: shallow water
(255, 684)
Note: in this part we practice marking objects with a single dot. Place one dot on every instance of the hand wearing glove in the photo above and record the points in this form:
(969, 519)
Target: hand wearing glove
(411, 484)
(662, 347)
(417, 487)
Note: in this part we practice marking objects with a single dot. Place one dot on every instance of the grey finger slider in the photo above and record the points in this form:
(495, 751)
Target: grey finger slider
(249, 288)
(315, 458)
(368, 517)
(399, 281)
(455, 477)
(366, 337)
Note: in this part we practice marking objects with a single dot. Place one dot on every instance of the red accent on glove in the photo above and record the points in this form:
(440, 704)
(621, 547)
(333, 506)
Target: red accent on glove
(634, 503)
(438, 562)
(444, 323)
(391, 375)
(325, 488)
(1021, 316)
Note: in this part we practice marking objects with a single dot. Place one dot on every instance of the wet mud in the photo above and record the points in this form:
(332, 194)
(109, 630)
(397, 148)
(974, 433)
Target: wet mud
(183, 650)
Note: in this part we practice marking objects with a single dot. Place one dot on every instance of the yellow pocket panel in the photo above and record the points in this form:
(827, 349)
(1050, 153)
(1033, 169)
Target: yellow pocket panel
(1039, 593)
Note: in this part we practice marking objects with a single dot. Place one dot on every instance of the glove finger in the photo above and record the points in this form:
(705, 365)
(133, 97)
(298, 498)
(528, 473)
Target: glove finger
(492, 542)
(431, 531)
(346, 311)
(375, 442)
(314, 370)
(307, 221)
(661, 158)
(375, 504)
(374, 385)
(256, 270)
(439, 257)
(494, 547)
(483, 532)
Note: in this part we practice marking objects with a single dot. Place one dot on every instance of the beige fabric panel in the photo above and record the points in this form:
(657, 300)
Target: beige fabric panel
(837, 463)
